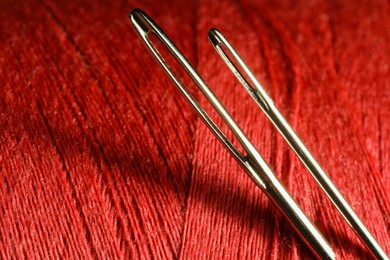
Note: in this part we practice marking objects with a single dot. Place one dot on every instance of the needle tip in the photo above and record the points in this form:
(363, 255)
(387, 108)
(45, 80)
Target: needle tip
(134, 12)
(214, 36)
(139, 20)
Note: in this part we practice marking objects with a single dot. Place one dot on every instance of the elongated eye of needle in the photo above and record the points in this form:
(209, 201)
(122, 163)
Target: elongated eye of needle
(252, 162)
(264, 101)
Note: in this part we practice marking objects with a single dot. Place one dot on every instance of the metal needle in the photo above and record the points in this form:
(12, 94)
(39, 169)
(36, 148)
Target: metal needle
(264, 101)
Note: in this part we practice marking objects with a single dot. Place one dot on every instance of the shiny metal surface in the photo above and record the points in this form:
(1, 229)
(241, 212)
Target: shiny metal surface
(266, 104)
(251, 162)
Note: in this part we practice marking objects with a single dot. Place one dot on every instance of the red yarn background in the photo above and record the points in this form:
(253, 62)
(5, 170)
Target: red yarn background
(100, 156)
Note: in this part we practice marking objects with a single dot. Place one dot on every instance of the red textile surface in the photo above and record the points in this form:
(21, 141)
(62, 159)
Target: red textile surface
(101, 157)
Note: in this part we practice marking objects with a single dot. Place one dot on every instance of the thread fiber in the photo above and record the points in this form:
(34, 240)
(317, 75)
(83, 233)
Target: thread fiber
(101, 157)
